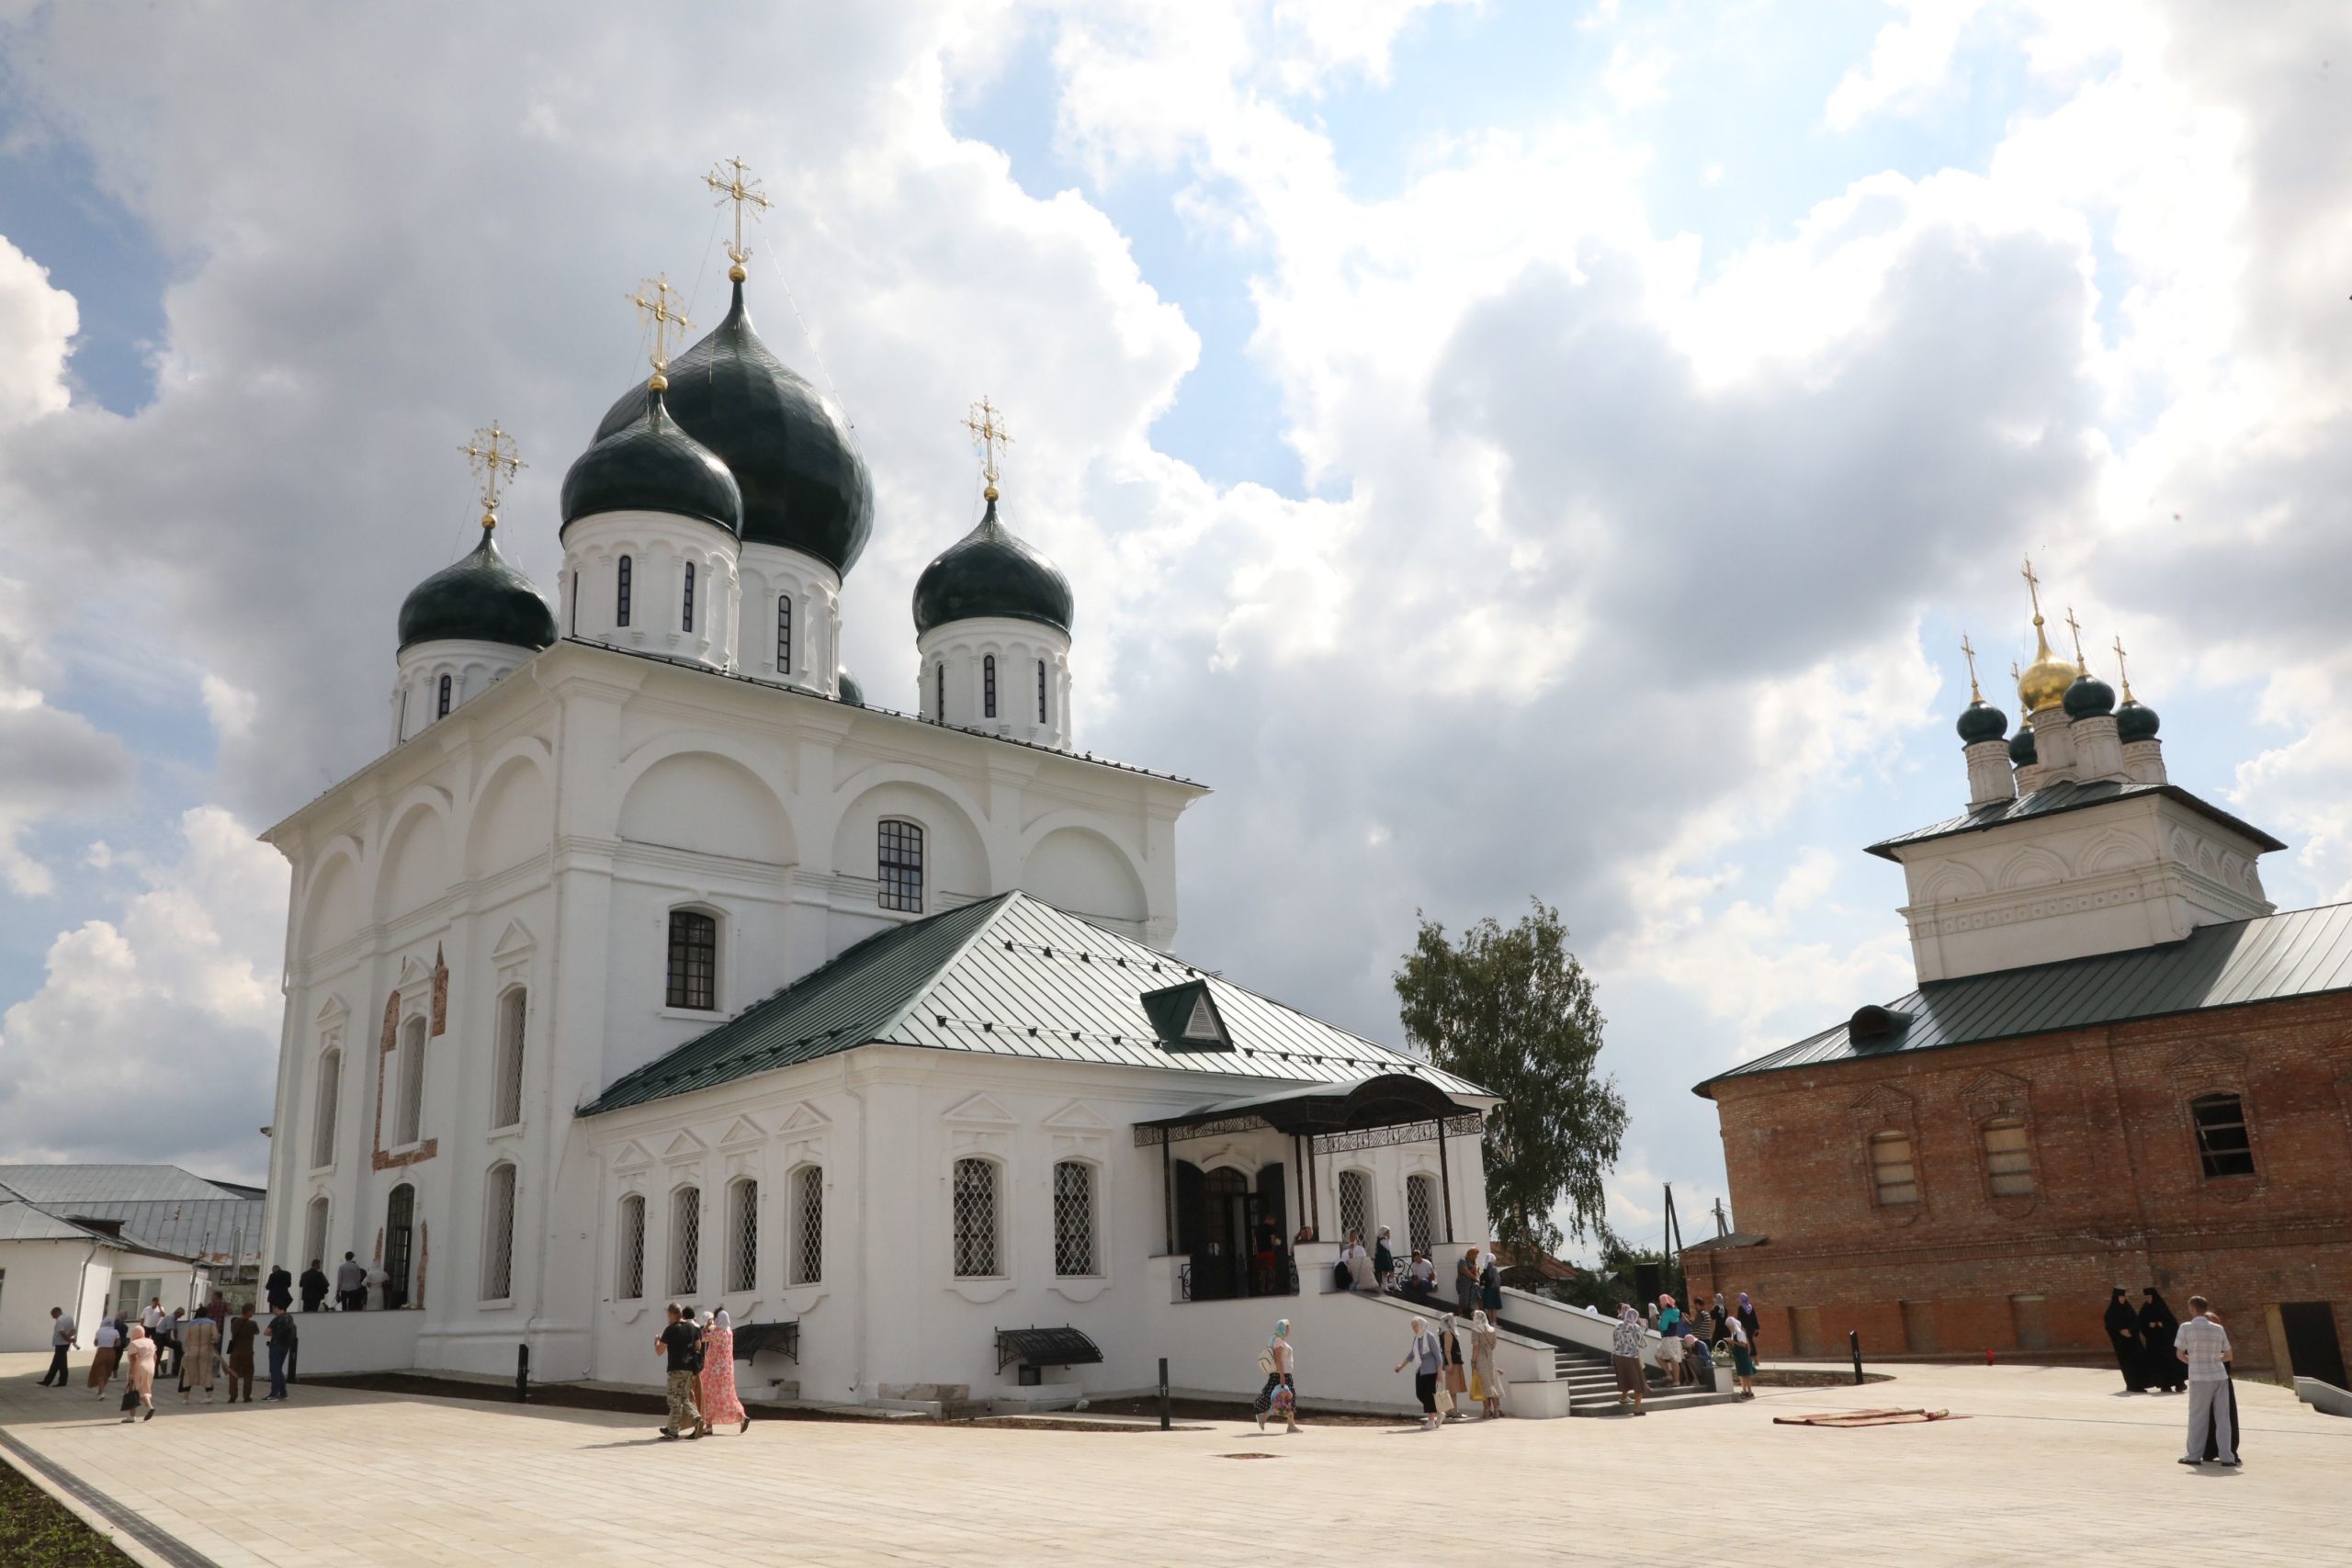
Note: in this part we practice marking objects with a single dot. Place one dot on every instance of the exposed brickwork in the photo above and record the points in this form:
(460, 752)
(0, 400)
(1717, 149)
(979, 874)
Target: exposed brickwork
(2121, 1195)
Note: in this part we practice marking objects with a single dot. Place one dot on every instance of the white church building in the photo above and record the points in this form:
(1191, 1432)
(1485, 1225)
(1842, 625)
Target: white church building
(650, 963)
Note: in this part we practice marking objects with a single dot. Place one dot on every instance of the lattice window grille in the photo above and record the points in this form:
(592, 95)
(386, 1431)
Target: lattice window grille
(506, 1102)
(1355, 1204)
(976, 1219)
(498, 1236)
(743, 1236)
(686, 1241)
(1421, 1214)
(631, 1285)
(809, 1226)
(1074, 1218)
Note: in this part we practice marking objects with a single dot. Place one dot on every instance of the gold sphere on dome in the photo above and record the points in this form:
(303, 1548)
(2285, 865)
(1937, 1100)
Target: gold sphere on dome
(2042, 683)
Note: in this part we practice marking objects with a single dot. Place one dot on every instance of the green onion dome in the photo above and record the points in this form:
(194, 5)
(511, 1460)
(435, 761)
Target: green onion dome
(2090, 697)
(649, 463)
(1980, 720)
(851, 692)
(2135, 720)
(480, 599)
(2021, 750)
(988, 573)
(804, 486)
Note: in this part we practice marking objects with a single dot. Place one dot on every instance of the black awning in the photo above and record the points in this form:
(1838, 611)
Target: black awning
(1384, 1100)
(782, 1337)
(1045, 1347)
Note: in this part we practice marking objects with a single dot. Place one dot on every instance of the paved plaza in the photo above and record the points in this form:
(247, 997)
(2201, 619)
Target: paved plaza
(2051, 1466)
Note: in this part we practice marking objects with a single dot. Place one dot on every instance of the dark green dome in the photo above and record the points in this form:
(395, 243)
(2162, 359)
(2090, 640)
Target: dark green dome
(481, 599)
(2021, 747)
(649, 463)
(2089, 697)
(851, 692)
(1980, 720)
(2135, 721)
(990, 573)
(804, 486)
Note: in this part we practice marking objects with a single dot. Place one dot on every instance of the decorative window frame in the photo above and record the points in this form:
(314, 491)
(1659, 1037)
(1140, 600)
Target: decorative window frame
(514, 1235)
(333, 1019)
(1079, 1132)
(2211, 1068)
(630, 1167)
(978, 1128)
(1992, 1096)
(803, 1139)
(1887, 1110)
(722, 970)
(1371, 1198)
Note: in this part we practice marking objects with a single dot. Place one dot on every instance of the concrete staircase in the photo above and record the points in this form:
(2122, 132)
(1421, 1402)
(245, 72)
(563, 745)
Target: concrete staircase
(1593, 1383)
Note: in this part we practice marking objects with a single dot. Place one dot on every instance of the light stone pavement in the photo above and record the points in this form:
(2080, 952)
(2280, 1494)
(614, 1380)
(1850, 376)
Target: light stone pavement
(2053, 1465)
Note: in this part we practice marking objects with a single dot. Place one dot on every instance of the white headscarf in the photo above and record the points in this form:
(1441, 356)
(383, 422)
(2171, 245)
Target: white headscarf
(720, 1320)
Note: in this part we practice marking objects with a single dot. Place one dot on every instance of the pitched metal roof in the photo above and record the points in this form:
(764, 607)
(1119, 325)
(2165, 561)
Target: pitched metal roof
(2298, 952)
(1010, 977)
(54, 1184)
(2066, 796)
(220, 1230)
(24, 1220)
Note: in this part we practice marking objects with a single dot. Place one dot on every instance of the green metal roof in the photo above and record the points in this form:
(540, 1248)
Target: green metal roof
(2299, 953)
(1010, 977)
(2065, 795)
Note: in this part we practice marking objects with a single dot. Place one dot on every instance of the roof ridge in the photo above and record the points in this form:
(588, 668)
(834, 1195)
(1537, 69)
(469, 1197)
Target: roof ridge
(1002, 901)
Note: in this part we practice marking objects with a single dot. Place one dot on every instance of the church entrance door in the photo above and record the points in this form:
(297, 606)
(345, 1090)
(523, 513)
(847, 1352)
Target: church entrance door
(1221, 1257)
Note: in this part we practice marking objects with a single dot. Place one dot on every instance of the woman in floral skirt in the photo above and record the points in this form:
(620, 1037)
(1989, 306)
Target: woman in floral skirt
(720, 1403)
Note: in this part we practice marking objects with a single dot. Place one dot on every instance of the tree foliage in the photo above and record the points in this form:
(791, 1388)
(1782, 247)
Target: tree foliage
(1512, 1011)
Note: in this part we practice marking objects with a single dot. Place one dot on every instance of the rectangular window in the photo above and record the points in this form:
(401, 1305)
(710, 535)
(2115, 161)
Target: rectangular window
(694, 961)
(809, 1226)
(409, 1110)
(2008, 1159)
(507, 1086)
(976, 1219)
(686, 1241)
(330, 1099)
(1074, 1218)
(1355, 1205)
(784, 635)
(630, 1254)
(1421, 1214)
(1893, 1175)
(988, 686)
(575, 604)
(498, 1235)
(2221, 1142)
(899, 865)
(686, 621)
(939, 693)
(744, 1235)
(620, 608)
(442, 711)
(1041, 691)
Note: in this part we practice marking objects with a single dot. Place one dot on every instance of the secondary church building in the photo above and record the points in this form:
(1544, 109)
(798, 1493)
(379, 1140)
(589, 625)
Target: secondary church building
(651, 962)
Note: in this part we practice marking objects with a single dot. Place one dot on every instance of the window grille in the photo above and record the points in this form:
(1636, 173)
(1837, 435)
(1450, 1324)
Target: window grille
(2221, 1142)
(2009, 1159)
(506, 1097)
(631, 1256)
(976, 1237)
(1894, 1175)
(744, 1235)
(988, 686)
(442, 709)
(899, 865)
(620, 607)
(686, 622)
(498, 1235)
(784, 635)
(1421, 1214)
(686, 1241)
(1041, 691)
(1355, 1204)
(939, 693)
(694, 961)
(809, 1226)
(1074, 1218)
(314, 1229)
(322, 1124)
(400, 1236)
(410, 1109)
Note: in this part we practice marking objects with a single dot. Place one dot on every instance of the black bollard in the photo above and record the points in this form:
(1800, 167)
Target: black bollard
(1163, 1394)
(521, 1373)
(1854, 1342)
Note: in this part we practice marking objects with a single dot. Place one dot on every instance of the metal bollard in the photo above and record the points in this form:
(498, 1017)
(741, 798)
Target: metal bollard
(1163, 1394)
(1854, 1342)
(521, 1373)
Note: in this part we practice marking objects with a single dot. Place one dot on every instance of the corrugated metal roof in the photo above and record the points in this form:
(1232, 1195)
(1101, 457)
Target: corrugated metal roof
(23, 1220)
(2065, 795)
(1009, 977)
(2297, 952)
(221, 1230)
(54, 1184)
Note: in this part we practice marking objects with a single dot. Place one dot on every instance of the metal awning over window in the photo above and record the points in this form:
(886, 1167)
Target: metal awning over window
(782, 1337)
(1045, 1347)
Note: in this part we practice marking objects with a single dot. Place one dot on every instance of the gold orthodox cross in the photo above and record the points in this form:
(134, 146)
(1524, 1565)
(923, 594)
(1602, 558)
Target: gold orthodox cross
(2034, 589)
(2075, 626)
(986, 423)
(2122, 669)
(494, 456)
(664, 320)
(1974, 696)
(726, 178)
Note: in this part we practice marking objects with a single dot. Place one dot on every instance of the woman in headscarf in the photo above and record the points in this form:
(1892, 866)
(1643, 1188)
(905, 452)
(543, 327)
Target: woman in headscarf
(139, 1382)
(1743, 1358)
(1383, 1258)
(720, 1403)
(1747, 1316)
(2123, 1334)
(1427, 1359)
(2158, 1326)
(1280, 1363)
(1670, 1316)
(1484, 1384)
(1466, 1282)
(1457, 1379)
(107, 1349)
(1358, 1264)
(1490, 1286)
(1718, 1314)
(1625, 1346)
(200, 1355)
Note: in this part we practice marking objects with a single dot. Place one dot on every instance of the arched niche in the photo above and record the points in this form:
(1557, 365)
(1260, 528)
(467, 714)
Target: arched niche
(1081, 871)
(955, 860)
(707, 804)
(416, 869)
(331, 914)
(512, 819)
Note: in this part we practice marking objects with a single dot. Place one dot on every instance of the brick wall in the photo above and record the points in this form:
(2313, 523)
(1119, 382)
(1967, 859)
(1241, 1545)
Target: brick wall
(2121, 1196)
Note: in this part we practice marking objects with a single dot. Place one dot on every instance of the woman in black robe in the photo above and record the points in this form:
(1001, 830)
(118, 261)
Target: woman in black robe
(2158, 1326)
(2123, 1333)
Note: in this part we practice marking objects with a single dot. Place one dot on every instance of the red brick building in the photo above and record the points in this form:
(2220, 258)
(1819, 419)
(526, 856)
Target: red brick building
(2120, 1067)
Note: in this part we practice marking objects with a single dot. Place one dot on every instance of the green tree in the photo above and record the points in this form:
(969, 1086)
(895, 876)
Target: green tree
(1512, 1011)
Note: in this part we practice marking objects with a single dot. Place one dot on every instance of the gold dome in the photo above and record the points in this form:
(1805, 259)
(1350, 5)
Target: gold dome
(2044, 681)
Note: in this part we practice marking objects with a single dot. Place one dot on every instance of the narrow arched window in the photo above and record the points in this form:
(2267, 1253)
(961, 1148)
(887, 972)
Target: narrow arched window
(575, 604)
(784, 634)
(988, 686)
(620, 605)
(808, 1224)
(685, 1240)
(2224, 1146)
(628, 1255)
(506, 1066)
(1894, 1176)
(409, 1109)
(976, 1219)
(1355, 1204)
(442, 708)
(898, 856)
(322, 1121)
(400, 1242)
(2009, 1159)
(686, 620)
(1041, 691)
(314, 1231)
(1074, 1218)
(694, 961)
(1421, 1214)
(744, 1235)
(498, 1233)
(939, 692)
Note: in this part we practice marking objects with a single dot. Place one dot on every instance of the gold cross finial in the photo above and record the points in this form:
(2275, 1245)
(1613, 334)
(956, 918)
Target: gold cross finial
(986, 423)
(2122, 669)
(726, 178)
(1969, 652)
(2075, 626)
(2033, 589)
(493, 457)
(665, 321)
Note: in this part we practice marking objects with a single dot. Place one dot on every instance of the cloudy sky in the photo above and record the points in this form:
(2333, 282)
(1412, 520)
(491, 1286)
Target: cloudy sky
(1509, 449)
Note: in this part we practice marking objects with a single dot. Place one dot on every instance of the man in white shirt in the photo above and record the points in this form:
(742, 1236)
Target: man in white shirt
(2205, 1345)
(61, 1340)
(151, 1320)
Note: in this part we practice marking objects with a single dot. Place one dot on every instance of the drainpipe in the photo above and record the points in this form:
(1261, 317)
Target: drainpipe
(81, 1289)
(864, 1199)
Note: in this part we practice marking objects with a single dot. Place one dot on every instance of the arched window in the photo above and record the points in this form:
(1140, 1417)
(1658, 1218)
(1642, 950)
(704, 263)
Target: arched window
(686, 617)
(399, 1240)
(1355, 1205)
(2009, 1159)
(898, 857)
(784, 634)
(574, 628)
(939, 692)
(628, 1255)
(686, 1241)
(1895, 1179)
(988, 686)
(620, 605)
(2224, 1146)
(498, 1233)
(1420, 1213)
(314, 1229)
(1074, 1218)
(407, 1111)
(506, 1061)
(1041, 691)
(441, 709)
(976, 1219)
(744, 1235)
(808, 1224)
(323, 1119)
(694, 961)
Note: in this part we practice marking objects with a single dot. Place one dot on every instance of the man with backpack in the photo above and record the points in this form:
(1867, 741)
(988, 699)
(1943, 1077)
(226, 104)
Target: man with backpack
(681, 1343)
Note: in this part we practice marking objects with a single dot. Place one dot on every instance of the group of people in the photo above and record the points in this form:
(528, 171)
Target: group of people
(198, 1349)
(1689, 1346)
(1477, 1273)
(699, 1361)
(2157, 1352)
